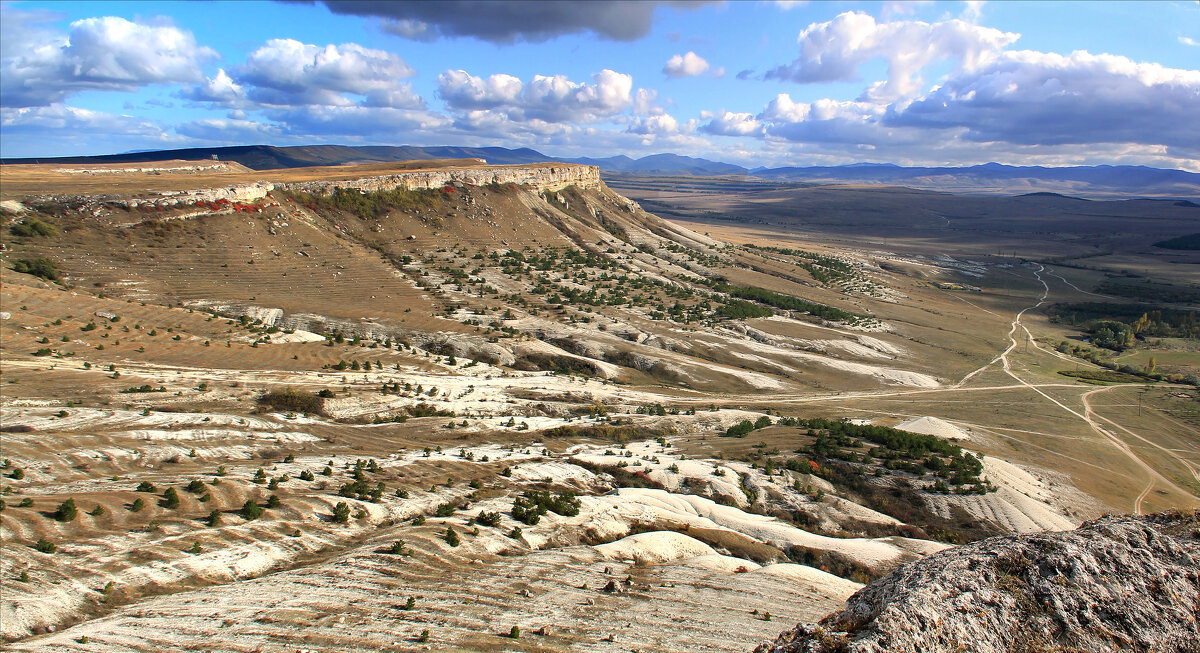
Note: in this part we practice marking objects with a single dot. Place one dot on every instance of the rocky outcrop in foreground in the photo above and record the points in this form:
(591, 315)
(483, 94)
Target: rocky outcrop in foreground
(1121, 583)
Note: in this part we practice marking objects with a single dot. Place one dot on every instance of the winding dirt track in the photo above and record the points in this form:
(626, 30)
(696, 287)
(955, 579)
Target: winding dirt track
(1087, 414)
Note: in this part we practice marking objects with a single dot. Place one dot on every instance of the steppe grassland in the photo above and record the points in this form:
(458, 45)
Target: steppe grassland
(109, 441)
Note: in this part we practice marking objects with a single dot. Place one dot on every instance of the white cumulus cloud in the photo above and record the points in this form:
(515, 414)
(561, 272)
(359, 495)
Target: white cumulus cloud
(1044, 98)
(287, 72)
(728, 123)
(461, 90)
(685, 65)
(546, 98)
(106, 54)
(834, 50)
(659, 125)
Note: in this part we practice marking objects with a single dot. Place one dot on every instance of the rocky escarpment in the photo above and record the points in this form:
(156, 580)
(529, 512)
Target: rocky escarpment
(1115, 584)
(542, 177)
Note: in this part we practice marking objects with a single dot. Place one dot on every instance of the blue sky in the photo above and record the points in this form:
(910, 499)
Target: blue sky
(754, 83)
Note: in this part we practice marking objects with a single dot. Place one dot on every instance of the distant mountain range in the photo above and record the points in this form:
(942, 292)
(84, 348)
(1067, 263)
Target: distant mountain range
(989, 178)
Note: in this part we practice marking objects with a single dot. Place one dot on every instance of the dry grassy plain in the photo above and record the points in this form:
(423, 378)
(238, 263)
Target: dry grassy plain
(477, 344)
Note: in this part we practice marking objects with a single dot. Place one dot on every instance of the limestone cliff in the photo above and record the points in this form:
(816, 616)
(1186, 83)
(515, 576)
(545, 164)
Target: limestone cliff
(542, 177)
(1116, 584)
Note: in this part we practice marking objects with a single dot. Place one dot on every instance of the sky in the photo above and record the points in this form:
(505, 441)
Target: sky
(751, 83)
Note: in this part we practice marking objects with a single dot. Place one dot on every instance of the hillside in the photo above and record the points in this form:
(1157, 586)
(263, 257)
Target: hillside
(306, 407)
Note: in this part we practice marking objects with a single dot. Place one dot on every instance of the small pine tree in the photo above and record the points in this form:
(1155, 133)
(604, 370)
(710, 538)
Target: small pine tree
(214, 518)
(273, 501)
(45, 546)
(66, 511)
(451, 536)
(137, 505)
(251, 510)
(341, 512)
(196, 548)
(515, 632)
(171, 499)
(397, 548)
(410, 603)
(146, 486)
(424, 636)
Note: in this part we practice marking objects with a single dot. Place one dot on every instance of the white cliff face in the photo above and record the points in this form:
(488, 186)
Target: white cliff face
(242, 193)
(549, 178)
(546, 178)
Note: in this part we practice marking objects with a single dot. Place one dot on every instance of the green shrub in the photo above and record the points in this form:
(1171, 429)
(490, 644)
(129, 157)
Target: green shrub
(137, 505)
(171, 499)
(341, 512)
(451, 536)
(251, 510)
(38, 267)
(66, 511)
(214, 518)
(532, 504)
(292, 399)
(45, 546)
(196, 486)
(33, 227)
(488, 518)
(146, 486)
(273, 501)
